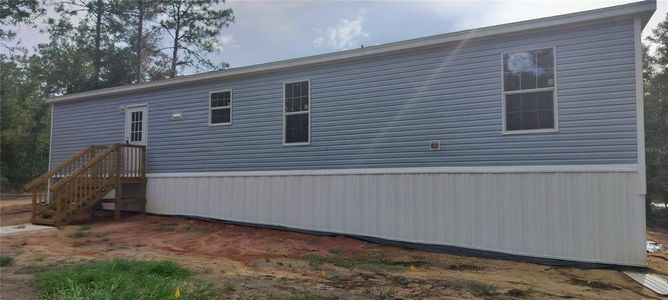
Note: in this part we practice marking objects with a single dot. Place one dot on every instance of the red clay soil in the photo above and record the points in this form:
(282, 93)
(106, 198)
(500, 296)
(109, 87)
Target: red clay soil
(239, 243)
(268, 263)
(14, 212)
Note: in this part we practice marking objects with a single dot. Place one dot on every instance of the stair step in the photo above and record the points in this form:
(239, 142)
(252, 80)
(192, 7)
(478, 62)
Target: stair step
(86, 190)
(43, 221)
(123, 200)
(47, 213)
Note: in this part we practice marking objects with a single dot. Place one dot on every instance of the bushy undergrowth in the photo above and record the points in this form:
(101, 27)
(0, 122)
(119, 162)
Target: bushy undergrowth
(658, 217)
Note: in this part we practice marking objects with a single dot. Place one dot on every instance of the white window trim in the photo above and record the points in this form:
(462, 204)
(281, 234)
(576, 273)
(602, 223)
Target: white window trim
(285, 114)
(220, 107)
(553, 89)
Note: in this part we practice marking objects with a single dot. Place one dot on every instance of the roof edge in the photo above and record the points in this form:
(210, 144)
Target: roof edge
(643, 8)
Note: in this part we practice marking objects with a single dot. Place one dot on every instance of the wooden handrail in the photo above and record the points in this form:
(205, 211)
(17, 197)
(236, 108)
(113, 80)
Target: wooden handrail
(63, 165)
(92, 162)
(58, 168)
(84, 179)
(84, 168)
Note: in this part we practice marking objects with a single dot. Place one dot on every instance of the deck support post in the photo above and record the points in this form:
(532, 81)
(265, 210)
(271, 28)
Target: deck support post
(142, 167)
(119, 187)
(34, 204)
(117, 203)
(142, 203)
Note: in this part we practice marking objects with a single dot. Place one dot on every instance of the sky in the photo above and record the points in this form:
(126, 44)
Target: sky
(266, 31)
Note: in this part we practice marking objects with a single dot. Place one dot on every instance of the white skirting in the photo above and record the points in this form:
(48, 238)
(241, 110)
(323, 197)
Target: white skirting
(596, 217)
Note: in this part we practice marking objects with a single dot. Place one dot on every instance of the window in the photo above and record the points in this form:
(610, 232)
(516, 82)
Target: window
(296, 110)
(136, 118)
(529, 91)
(220, 108)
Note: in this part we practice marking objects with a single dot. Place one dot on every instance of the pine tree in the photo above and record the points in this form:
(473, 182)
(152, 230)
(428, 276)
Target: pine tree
(194, 26)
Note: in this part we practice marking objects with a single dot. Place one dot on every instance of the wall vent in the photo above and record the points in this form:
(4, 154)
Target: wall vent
(434, 145)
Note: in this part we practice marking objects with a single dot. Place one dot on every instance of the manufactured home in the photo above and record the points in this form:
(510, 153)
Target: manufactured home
(522, 139)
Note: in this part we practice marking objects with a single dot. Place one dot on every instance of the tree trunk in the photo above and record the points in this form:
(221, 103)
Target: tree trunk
(140, 37)
(98, 57)
(175, 50)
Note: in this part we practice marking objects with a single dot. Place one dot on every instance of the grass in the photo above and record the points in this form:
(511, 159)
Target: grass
(80, 234)
(230, 287)
(165, 227)
(307, 296)
(337, 279)
(594, 284)
(195, 228)
(122, 279)
(479, 289)
(366, 263)
(32, 269)
(6, 261)
(387, 293)
(84, 231)
(519, 293)
(482, 289)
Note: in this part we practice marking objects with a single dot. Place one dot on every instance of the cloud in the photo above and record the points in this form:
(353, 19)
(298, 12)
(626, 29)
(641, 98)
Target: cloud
(346, 34)
(228, 40)
(224, 41)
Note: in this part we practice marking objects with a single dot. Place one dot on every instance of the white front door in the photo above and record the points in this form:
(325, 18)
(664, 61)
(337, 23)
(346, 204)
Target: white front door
(135, 134)
(135, 125)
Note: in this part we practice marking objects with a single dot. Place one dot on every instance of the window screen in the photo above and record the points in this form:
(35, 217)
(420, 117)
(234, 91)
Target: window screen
(296, 112)
(528, 90)
(220, 107)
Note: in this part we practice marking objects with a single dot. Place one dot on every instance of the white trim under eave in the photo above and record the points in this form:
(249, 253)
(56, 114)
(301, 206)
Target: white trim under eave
(640, 110)
(618, 168)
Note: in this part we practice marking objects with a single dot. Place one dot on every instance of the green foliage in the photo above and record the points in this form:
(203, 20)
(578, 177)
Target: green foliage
(92, 44)
(92, 54)
(655, 78)
(67, 58)
(122, 279)
(25, 121)
(16, 12)
(6, 261)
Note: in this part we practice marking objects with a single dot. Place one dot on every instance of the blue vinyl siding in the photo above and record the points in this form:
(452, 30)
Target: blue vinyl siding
(382, 111)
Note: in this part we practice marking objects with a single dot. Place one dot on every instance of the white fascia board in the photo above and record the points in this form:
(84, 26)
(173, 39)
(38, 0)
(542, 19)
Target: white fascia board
(620, 168)
(640, 110)
(646, 8)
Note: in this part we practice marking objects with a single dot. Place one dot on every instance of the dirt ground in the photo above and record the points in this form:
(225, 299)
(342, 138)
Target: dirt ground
(14, 211)
(254, 263)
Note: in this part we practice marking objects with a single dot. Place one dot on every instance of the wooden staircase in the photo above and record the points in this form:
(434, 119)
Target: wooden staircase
(70, 191)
